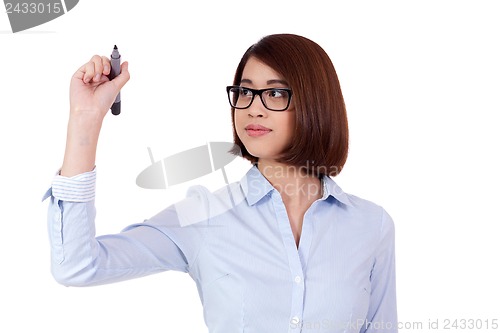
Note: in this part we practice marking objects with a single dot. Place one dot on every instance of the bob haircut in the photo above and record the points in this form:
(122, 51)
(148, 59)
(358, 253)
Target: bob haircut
(321, 141)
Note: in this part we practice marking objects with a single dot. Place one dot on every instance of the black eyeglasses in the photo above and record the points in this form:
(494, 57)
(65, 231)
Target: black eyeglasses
(274, 99)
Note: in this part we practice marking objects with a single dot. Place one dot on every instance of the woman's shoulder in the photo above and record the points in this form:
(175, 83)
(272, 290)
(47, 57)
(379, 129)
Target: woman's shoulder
(364, 204)
(359, 209)
(368, 212)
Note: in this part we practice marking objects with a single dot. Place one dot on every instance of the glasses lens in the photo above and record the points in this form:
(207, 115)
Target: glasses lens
(239, 97)
(276, 99)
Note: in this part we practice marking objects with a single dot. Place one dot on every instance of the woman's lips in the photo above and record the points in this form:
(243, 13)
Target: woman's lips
(257, 130)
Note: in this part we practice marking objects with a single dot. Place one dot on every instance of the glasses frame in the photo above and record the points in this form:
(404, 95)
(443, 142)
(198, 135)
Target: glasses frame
(259, 92)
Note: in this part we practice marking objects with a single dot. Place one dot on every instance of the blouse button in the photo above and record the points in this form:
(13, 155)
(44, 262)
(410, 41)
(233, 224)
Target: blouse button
(298, 279)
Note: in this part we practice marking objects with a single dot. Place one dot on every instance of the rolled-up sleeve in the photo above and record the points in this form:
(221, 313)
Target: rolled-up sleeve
(79, 188)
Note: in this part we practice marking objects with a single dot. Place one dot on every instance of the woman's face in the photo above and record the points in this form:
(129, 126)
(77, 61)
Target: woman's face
(265, 134)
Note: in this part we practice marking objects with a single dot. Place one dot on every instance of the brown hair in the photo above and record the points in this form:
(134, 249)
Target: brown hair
(321, 140)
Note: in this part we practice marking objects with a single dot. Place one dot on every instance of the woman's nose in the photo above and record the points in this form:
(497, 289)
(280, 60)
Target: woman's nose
(257, 108)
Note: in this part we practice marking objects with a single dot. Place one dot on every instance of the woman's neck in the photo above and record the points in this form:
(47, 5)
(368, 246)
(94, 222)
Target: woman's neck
(294, 184)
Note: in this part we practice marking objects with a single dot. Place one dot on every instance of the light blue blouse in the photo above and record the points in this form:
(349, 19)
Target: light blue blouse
(237, 245)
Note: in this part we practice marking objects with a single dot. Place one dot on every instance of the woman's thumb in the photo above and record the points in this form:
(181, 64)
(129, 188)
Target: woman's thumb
(123, 77)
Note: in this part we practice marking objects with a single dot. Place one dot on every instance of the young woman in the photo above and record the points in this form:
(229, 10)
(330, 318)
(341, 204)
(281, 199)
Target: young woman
(290, 251)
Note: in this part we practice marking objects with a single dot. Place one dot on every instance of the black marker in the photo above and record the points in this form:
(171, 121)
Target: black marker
(115, 71)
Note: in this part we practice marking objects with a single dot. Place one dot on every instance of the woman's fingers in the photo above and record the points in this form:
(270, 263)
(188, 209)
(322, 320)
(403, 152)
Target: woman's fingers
(94, 69)
(97, 70)
(106, 66)
(98, 67)
(88, 71)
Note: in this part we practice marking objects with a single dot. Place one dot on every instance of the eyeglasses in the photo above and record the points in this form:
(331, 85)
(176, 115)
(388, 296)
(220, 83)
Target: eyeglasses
(274, 99)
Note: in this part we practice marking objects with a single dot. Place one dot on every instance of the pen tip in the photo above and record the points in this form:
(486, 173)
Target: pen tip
(115, 48)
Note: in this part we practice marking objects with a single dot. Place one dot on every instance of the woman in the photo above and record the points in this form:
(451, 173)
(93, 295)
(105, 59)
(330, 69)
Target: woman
(289, 251)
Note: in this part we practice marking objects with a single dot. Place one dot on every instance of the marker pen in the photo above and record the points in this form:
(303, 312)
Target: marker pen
(115, 71)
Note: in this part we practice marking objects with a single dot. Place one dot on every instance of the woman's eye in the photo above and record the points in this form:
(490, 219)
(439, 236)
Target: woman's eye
(245, 93)
(276, 93)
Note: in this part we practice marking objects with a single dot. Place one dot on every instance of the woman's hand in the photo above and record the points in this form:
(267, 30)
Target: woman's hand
(91, 96)
(92, 91)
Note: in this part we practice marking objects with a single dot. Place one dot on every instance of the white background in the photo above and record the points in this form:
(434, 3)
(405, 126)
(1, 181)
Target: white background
(421, 81)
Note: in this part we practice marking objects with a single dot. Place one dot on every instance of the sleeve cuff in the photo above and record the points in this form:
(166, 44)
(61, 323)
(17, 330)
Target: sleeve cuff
(78, 188)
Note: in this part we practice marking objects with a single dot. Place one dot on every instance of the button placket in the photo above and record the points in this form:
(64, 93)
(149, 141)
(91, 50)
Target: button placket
(296, 270)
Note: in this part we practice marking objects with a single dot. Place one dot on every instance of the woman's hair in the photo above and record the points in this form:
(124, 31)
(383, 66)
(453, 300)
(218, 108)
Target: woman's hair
(321, 140)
